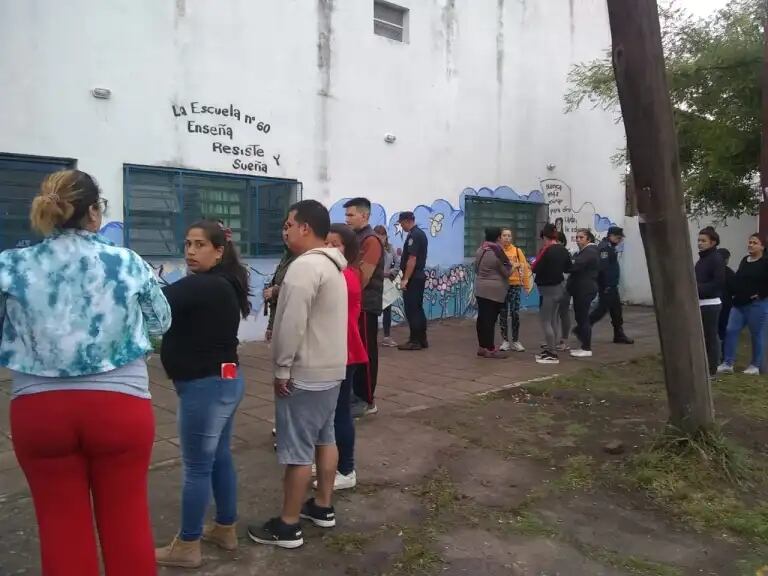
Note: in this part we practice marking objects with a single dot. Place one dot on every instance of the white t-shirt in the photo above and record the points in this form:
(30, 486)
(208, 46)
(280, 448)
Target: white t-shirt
(315, 386)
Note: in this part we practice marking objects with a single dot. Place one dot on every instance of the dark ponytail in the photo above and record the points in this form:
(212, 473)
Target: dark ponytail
(230, 264)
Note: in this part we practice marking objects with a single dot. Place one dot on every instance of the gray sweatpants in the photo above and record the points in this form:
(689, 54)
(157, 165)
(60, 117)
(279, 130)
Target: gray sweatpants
(549, 313)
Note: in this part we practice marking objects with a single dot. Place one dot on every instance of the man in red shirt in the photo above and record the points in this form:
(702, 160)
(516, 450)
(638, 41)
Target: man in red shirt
(371, 263)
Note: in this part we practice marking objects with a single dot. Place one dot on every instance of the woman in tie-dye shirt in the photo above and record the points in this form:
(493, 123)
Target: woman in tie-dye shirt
(76, 315)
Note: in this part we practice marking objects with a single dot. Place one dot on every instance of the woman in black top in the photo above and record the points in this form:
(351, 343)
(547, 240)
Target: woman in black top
(710, 280)
(750, 306)
(582, 285)
(199, 353)
(550, 266)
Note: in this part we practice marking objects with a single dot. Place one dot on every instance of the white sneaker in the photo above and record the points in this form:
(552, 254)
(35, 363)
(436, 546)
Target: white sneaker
(579, 353)
(725, 369)
(518, 347)
(389, 343)
(504, 346)
(562, 347)
(342, 481)
(370, 410)
(752, 370)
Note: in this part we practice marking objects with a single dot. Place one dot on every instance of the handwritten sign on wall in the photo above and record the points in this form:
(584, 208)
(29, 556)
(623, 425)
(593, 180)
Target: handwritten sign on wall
(220, 124)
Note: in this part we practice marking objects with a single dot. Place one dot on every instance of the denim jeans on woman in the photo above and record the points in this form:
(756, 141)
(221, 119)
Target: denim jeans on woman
(206, 415)
(755, 316)
(344, 424)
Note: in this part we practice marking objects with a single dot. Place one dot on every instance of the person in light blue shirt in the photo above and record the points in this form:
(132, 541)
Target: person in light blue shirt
(76, 315)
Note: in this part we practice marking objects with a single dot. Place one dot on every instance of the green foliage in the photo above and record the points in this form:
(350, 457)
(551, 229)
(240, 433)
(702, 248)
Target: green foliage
(713, 67)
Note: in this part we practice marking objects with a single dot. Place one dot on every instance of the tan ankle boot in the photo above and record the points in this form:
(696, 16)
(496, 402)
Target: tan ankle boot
(223, 536)
(180, 553)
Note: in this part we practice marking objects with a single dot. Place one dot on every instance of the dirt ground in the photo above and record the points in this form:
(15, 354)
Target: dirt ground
(497, 481)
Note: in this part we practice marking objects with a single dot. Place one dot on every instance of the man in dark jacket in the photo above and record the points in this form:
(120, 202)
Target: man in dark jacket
(412, 264)
(726, 297)
(358, 214)
(608, 285)
(582, 285)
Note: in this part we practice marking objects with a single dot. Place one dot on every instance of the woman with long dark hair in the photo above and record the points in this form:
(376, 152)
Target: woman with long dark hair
(582, 286)
(199, 353)
(391, 267)
(550, 266)
(492, 267)
(76, 313)
(710, 281)
(344, 238)
(520, 279)
(750, 306)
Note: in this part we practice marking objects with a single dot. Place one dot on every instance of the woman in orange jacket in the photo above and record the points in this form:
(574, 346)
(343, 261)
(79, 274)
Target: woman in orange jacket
(520, 279)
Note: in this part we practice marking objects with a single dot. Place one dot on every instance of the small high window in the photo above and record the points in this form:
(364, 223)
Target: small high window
(390, 21)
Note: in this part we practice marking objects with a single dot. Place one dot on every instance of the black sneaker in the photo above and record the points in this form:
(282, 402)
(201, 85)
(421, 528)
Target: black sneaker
(410, 347)
(547, 357)
(277, 533)
(319, 516)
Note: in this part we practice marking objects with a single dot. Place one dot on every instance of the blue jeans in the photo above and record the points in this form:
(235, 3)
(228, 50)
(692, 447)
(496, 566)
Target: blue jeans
(755, 316)
(206, 413)
(345, 425)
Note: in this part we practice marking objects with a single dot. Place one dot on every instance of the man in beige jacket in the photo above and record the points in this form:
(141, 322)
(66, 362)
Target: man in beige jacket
(309, 355)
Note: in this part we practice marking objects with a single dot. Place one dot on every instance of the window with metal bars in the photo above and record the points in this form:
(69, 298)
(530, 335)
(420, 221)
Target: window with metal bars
(160, 203)
(525, 219)
(20, 179)
(390, 21)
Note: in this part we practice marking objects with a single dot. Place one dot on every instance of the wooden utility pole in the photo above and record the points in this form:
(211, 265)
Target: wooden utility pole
(638, 62)
(763, 221)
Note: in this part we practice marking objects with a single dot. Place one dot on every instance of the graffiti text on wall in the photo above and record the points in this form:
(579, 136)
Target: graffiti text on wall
(246, 157)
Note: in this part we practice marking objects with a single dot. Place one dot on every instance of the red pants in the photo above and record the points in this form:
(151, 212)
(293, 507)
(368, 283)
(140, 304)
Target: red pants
(78, 447)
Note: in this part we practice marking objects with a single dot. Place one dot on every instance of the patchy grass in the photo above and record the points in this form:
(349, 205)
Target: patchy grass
(639, 377)
(526, 523)
(631, 564)
(708, 482)
(438, 493)
(578, 474)
(748, 394)
(418, 557)
(347, 542)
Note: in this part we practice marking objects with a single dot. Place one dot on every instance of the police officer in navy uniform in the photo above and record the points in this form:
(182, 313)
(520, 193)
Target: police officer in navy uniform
(608, 285)
(412, 263)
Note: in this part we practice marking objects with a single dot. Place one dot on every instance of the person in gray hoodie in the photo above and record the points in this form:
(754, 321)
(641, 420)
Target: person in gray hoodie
(492, 267)
(309, 356)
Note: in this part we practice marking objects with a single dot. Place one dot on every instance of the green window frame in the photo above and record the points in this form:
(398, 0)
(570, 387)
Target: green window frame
(160, 203)
(20, 179)
(524, 218)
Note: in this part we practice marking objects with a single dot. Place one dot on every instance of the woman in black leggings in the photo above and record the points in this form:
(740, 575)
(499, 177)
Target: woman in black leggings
(582, 286)
(491, 282)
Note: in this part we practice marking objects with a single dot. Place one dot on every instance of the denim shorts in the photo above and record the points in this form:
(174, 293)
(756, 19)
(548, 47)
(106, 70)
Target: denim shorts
(304, 420)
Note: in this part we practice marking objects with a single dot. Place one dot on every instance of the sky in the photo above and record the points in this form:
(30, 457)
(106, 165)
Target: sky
(702, 7)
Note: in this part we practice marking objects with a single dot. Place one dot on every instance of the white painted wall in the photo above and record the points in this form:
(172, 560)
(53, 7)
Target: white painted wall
(475, 98)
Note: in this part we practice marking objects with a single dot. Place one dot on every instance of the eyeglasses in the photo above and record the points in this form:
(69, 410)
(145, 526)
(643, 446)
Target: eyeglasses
(102, 204)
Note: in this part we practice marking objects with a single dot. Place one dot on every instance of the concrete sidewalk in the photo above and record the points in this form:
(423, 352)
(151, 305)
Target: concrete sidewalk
(449, 372)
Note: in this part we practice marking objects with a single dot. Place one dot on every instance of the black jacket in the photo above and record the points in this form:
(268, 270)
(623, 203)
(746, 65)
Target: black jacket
(584, 271)
(203, 334)
(610, 273)
(552, 265)
(374, 291)
(750, 282)
(710, 274)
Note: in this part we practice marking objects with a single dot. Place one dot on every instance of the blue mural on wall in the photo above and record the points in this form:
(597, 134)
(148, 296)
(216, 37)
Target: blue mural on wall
(450, 284)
